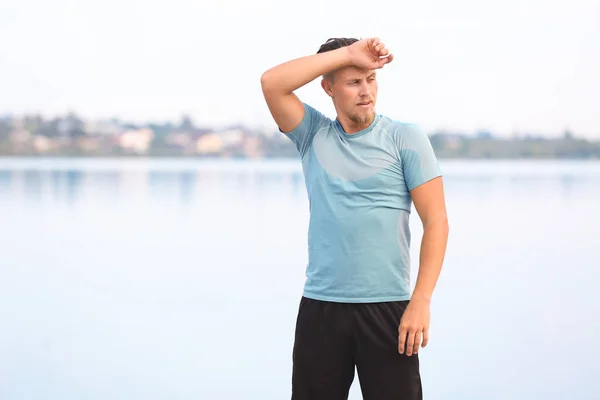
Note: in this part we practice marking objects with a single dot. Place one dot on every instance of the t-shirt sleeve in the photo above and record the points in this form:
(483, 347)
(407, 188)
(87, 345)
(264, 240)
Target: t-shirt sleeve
(303, 134)
(418, 160)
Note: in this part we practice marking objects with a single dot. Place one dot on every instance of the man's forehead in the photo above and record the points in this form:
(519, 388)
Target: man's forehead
(356, 73)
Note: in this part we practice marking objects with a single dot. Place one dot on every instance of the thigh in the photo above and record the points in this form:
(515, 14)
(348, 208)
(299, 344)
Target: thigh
(384, 374)
(323, 360)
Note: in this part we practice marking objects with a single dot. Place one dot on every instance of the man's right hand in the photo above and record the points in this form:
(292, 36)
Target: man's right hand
(369, 53)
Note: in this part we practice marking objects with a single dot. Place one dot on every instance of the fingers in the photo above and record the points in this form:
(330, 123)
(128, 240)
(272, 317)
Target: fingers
(417, 343)
(413, 342)
(402, 339)
(425, 337)
(409, 339)
(385, 60)
(377, 47)
(372, 44)
(381, 50)
(410, 343)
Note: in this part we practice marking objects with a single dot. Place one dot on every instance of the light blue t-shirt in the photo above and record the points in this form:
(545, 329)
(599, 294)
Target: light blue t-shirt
(358, 189)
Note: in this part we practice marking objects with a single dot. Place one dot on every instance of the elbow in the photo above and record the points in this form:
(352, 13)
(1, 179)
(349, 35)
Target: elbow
(444, 223)
(440, 223)
(271, 83)
(446, 226)
(439, 228)
(265, 81)
(264, 78)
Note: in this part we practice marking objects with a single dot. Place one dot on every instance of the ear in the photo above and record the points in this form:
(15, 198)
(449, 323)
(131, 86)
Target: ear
(326, 85)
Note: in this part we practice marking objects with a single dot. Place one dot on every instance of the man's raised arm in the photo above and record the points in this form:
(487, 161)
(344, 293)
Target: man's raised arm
(280, 82)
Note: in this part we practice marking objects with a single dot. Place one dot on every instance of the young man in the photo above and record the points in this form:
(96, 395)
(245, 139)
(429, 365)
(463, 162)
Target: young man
(363, 171)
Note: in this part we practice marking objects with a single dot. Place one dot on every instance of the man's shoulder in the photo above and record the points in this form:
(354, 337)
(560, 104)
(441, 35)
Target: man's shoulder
(399, 128)
(312, 121)
(315, 113)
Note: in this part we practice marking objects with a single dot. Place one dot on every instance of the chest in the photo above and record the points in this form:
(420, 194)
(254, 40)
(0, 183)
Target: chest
(361, 169)
(352, 159)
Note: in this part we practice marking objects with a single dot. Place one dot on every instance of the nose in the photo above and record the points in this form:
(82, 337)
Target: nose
(365, 89)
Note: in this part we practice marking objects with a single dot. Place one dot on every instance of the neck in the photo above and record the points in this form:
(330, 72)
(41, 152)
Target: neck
(351, 127)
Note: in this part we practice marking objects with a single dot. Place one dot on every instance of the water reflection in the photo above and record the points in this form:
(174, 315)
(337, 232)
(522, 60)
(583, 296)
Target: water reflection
(32, 181)
(163, 183)
(5, 181)
(74, 180)
(569, 185)
(63, 185)
(56, 183)
(187, 184)
(197, 184)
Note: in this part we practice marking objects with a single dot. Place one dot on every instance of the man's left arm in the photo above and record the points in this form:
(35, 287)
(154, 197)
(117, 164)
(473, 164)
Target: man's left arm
(430, 204)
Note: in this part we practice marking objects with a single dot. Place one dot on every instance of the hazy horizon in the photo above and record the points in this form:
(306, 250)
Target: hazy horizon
(510, 67)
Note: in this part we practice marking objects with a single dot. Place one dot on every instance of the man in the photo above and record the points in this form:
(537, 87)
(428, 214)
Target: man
(363, 171)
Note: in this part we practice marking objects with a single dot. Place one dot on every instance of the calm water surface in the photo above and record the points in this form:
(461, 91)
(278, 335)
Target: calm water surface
(172, 279)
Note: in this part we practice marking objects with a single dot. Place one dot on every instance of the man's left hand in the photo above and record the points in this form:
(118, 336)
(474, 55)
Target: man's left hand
(414, 326)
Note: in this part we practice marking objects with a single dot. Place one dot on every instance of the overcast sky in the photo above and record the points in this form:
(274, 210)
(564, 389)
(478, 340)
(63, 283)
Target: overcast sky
(507, 66)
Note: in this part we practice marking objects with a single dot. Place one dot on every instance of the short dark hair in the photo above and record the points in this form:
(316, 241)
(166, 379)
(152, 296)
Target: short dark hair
(335, 43)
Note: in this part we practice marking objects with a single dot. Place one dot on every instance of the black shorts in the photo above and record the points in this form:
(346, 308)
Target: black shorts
(332, 339)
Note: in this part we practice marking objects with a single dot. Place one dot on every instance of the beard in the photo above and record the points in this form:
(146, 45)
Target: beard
(364, 117)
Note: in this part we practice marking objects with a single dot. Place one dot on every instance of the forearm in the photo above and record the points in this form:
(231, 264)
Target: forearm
(289, 76)
(433, 249)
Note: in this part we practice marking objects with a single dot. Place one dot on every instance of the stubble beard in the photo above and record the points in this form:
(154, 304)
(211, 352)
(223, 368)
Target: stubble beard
(363, 118)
